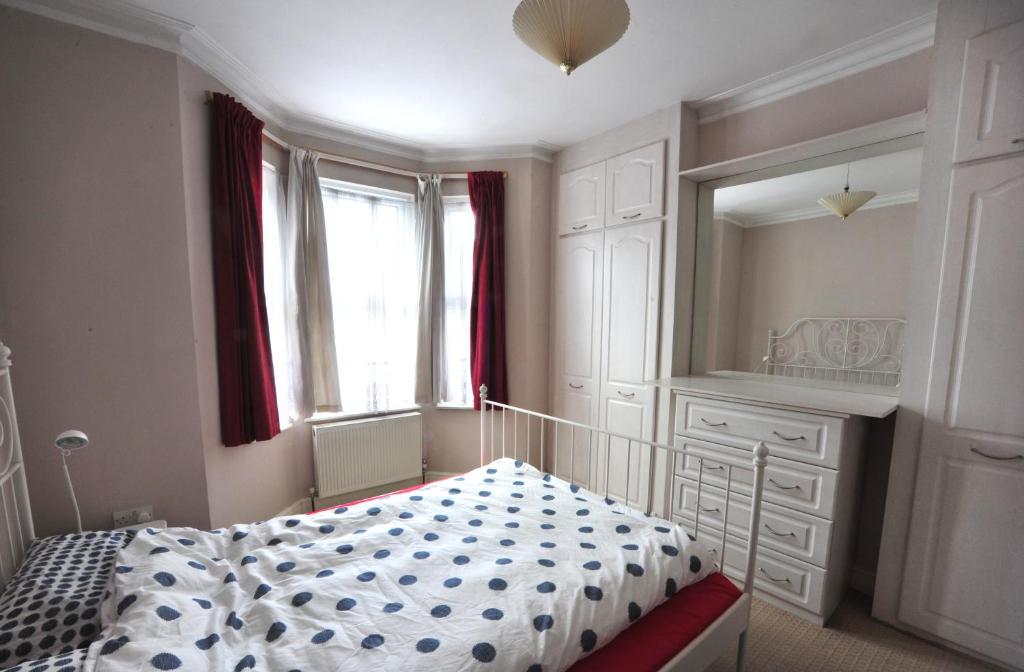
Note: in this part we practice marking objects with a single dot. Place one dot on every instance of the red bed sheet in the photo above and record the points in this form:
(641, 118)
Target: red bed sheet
(652, 641)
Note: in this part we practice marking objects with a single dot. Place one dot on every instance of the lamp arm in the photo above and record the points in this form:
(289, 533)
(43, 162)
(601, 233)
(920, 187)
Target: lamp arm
(71, 489)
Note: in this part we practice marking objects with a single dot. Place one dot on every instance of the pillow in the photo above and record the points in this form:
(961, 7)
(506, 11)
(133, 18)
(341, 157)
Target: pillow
(51, 604)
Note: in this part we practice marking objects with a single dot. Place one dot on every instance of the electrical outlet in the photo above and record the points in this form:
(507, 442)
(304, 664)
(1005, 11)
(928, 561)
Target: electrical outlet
(137, 516)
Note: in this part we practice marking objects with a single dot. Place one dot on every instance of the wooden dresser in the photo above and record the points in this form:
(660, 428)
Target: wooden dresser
(815, 432)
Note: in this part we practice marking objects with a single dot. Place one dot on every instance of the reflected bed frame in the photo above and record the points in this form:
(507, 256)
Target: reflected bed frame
(548, 431)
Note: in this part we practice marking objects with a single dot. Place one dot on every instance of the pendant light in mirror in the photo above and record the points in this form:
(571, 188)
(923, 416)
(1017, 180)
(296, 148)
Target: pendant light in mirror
(846, 202)
(570, 32)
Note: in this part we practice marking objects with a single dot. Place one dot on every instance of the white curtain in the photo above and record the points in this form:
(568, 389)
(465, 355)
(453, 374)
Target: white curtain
(430, 378)
(459, 234)
(313, 283)
(376, 282)
(278, 285)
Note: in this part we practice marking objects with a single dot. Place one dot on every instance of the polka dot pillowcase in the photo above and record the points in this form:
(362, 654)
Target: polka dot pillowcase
(52, 603)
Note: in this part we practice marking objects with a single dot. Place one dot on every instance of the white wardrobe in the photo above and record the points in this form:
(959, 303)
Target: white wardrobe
(963, 573)
(607, 299)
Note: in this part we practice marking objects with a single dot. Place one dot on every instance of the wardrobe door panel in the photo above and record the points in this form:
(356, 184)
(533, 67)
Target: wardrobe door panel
(581, 199)
(636, 185)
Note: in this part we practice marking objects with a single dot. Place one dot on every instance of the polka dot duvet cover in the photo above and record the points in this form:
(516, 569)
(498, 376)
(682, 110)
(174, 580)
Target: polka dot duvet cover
(504, 568)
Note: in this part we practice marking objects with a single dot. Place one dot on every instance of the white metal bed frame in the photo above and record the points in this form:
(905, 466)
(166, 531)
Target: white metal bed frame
(16, 531)
(732, 625)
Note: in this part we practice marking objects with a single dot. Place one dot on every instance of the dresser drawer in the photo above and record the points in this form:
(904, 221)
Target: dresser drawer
(796, 534)
(786, 578)
(803, 487)
(805, 437)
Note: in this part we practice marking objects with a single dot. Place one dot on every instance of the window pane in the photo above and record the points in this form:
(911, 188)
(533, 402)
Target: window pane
(459, 232)
(371, 243)
(273, 290)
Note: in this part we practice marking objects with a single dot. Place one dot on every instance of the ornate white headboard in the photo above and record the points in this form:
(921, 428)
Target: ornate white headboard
(844, 349)
(15, 514)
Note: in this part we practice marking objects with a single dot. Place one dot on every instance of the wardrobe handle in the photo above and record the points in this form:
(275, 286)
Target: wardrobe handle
(772, 578)
(712, 424)
(580, 227)
(775, 532)
(790, 438)
(633, 216)
(1001, 458)
(626, 396)
(1016, 141)
(783, 487)
(705, 509)
(576, 387)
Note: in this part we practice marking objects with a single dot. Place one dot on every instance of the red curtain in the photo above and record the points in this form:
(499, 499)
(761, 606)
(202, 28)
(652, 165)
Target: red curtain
(248, 401)
(487, 312)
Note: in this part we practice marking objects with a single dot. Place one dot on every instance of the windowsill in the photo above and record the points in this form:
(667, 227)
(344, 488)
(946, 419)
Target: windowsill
(322, 417)
(453, 407)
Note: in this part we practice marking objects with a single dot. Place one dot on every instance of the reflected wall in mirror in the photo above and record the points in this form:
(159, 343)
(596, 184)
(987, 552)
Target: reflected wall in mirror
(777, 256)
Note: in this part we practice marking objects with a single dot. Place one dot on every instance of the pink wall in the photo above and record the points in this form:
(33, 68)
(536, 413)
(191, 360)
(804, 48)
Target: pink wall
(258, 480)
(94, 282)
(884, 92)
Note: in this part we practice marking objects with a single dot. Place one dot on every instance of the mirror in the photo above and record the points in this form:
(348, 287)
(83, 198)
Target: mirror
(787, 287)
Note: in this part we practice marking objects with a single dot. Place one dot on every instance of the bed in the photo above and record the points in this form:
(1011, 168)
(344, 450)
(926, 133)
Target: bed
(508, 566)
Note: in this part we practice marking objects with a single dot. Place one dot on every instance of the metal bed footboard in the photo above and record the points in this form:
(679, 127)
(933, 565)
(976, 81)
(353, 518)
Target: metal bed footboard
(502, 434)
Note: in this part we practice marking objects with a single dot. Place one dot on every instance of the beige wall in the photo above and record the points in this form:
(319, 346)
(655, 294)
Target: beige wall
(823, 267)
(884, 92)
(94, 273)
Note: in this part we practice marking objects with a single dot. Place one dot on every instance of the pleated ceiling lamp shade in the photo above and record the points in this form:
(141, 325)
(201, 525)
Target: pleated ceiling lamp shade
(570, 32)
(846, 202)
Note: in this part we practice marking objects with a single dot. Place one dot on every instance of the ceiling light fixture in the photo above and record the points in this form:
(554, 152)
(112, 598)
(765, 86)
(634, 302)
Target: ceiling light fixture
(844, 203)
(570, 32)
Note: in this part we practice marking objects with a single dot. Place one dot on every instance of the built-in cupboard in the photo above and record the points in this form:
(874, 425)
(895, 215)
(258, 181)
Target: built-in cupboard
(607, 296)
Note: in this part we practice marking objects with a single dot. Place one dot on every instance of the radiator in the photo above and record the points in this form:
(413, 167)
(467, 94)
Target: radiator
(367, 453)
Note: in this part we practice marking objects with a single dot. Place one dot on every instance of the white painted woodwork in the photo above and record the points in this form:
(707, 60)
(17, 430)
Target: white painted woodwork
(963, 579)
(636, 185)
(581, 201)
(812, 484)
(991, 119)
(16, 531)
(579, 294)
(796, 436)
(629, 347)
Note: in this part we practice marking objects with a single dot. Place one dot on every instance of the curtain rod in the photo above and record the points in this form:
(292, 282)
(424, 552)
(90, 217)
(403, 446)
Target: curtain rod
(379, 167)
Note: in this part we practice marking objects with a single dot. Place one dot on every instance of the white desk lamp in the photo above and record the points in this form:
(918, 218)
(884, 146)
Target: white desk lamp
(67, 443)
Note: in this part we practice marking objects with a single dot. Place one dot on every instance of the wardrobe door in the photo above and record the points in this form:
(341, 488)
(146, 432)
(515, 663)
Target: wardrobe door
(581, 199)
(578, 355)
(964, 573)
(991, 118)
(632, 272)
(636, 185)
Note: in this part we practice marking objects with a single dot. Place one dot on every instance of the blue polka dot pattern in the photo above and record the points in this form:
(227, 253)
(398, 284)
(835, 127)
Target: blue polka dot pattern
(367, 580)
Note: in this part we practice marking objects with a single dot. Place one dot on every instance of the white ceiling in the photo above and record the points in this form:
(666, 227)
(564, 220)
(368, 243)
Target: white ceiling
(452, 74)
(895, 177)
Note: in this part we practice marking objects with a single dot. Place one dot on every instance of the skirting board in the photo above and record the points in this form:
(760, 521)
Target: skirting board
(298, 507)
(862, 580)
(439, 475)
(301, 506)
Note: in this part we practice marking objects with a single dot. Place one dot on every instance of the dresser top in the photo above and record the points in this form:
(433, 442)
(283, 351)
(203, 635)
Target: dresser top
(873, 401)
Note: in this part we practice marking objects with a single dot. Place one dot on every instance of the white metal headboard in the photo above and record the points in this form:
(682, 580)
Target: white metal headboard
(15, 514)
(865, 350)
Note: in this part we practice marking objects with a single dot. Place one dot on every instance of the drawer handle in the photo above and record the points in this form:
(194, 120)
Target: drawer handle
(715, 467)
(784, 487)
(626, 396)
(713, 424)
(633, 216)
(1001, 458)
(789, 438)
(705, 509)
(775, 532)
(580, 227)
(1016, 141)
(576, 387)
(772, 578)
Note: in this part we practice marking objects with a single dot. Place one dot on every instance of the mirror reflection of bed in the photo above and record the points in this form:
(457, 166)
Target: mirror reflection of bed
(799, 318)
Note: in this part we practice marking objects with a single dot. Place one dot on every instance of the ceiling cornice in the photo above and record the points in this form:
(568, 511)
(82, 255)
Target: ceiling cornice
(888, 45)
(125, 20)
(814, 211)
